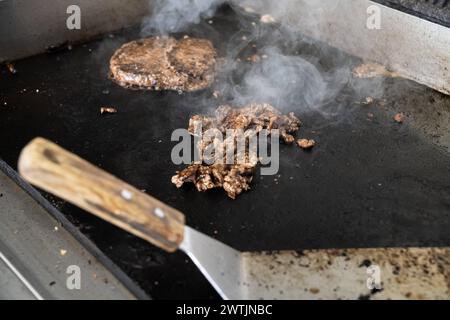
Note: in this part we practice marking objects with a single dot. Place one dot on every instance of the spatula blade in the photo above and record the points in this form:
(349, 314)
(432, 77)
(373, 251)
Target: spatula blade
(219, 263)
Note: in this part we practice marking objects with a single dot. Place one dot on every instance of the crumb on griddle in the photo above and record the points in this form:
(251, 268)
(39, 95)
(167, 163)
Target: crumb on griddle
(368, 100)
(254, 58)
(110, 110)
(216, 94)
(233, 178)
(399, 117)
(372, 70)
(267, 18)
(306, 144)
(11, 68)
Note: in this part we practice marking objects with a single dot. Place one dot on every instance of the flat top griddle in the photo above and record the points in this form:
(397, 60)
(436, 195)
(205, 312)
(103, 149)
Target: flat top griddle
(370, 182)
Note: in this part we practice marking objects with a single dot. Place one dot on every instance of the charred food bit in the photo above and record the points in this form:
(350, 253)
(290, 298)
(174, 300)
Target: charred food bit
(11, 68)
(368, 100)
(306, 144)
(267, 18)
(216, 94)
(400, 117)
(372, 70)
(254, 58)
(164, 63)
(104, 110)
(234, 178)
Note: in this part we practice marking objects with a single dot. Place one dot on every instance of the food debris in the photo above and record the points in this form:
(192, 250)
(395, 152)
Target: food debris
(400, 117)
(254, 58)
(104, 110)
(306, 143)
(236, 177)
(62, 252)
(372, 70)
(216, 94)
(368, 100)
(314, 290)
(11, 68)
(267, 18)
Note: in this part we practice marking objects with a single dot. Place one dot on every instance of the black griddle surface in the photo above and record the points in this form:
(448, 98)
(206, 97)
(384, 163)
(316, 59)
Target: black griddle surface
(369, 182)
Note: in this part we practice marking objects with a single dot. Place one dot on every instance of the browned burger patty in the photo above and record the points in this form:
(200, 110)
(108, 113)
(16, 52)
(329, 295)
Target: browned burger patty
(164, 63)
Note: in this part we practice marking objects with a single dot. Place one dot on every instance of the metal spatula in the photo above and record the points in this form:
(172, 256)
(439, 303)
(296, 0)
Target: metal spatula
(235, 275)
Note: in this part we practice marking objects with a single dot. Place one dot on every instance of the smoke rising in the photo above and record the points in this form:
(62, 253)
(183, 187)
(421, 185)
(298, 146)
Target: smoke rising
(289, 73)
(175, 15)
(287, 81)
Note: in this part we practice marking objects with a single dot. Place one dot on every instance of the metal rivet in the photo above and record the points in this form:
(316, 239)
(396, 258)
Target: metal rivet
(127, 195)
(158, 212)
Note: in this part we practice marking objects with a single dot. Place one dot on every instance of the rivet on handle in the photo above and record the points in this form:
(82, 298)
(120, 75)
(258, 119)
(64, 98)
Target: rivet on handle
(159, 213)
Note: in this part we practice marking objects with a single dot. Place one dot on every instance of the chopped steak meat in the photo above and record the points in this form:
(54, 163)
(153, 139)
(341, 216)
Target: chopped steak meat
(234, 177)
(253, 116)
(164, 63)
(306, 143)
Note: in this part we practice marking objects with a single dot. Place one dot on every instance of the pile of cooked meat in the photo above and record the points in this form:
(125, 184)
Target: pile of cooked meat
(233, 178)
(164, 63)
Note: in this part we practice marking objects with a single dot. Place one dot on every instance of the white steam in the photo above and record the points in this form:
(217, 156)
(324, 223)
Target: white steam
(283, 80)
(175, 15)
(286, 78)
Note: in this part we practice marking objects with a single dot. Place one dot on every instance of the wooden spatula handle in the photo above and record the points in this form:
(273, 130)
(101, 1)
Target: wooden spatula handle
(73, 179)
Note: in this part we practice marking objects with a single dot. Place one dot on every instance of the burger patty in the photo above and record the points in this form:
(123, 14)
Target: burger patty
(164, 63)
